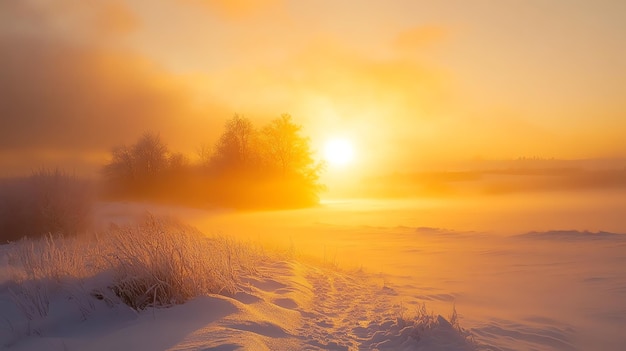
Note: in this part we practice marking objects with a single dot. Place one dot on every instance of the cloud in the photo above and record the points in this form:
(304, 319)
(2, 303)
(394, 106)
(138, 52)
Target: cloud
(68, 20)
(331, 68)
(63, 96)
(66, 101)
(236, 9)
(420, 37)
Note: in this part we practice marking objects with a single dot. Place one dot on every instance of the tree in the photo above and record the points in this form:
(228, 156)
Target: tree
(284, 148)
(288, 155)
(136, 168)
(178, 162)
(204, 153)
(271, 167)
(237, 147)
(122, 165)
(150, 156)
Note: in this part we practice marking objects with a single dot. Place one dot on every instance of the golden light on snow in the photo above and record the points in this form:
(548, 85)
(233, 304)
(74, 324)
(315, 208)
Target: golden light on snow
(339, 152)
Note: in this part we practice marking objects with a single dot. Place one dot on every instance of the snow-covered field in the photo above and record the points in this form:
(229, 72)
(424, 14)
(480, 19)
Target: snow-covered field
(541, 272)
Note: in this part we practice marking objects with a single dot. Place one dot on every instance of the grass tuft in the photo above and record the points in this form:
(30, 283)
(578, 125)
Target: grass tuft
(161, 262)
(157, 262)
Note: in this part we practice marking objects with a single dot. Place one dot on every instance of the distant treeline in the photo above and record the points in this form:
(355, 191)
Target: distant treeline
(494, 181)
(248, 167)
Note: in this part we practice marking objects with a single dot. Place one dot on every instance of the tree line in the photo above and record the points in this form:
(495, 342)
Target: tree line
(247, 167)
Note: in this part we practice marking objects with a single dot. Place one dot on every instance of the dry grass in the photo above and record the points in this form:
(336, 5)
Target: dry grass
(39, 269)
(154, 263)
(161, 262)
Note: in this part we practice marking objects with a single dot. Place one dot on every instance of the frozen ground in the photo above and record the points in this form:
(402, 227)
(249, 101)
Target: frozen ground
(528, 273)
(283, 305)
(536, 272)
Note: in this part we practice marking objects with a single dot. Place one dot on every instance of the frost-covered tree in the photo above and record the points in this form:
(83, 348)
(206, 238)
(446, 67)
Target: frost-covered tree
(237, 148)
(135, 169)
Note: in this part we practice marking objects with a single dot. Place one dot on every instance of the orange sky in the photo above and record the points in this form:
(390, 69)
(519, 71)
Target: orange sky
(411, 82)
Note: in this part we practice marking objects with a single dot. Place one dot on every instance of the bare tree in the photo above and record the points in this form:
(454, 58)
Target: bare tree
(122, 165)
(284, 148)
(133, 169)
(150, 155)
(178, 163)
(237, 148)
(204, 153)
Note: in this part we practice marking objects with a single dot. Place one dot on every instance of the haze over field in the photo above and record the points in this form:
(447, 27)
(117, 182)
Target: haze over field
(359, 175)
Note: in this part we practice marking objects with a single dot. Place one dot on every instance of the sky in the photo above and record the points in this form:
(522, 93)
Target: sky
(411, 83)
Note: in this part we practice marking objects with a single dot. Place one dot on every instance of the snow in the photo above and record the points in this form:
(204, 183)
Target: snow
(286, 306)
(523, 274)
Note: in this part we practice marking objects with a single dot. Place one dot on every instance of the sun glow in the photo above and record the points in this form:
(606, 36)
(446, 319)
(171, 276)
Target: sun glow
(339, 152)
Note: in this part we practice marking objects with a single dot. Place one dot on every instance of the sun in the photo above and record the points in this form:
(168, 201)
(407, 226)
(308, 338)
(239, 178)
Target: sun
(339, 152)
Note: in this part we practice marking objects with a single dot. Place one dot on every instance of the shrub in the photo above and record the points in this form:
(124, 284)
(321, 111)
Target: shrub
(45, 202)
(161, 262)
